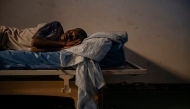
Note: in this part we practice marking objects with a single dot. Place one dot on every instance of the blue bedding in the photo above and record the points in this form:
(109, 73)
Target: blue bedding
(24, 60)
(12, 59)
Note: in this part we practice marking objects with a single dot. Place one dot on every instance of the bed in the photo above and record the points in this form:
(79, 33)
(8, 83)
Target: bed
(99, 55)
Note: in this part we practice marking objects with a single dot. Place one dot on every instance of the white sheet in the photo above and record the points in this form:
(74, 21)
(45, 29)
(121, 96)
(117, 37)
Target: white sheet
(14, 38)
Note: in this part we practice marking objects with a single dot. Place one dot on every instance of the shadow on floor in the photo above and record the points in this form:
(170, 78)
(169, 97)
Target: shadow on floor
(155, 96)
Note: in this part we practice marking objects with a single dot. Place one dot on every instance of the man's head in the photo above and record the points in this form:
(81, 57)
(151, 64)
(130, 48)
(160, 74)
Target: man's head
(74, 34)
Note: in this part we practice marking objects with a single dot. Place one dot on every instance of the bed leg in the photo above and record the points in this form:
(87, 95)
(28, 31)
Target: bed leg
(100, 98)
(66, 78)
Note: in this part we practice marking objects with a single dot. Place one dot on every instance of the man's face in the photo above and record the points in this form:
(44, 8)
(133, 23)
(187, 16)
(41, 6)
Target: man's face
(69, 35)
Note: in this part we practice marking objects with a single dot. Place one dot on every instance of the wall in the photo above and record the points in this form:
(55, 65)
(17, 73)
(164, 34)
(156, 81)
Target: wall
(159, 36)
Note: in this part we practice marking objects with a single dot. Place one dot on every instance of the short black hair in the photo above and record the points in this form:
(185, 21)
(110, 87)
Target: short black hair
(81, 33)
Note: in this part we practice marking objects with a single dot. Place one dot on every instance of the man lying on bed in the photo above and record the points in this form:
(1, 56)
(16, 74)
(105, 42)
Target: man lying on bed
(50, 37)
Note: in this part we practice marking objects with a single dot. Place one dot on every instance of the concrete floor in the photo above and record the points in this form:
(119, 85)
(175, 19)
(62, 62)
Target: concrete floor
(138, 97)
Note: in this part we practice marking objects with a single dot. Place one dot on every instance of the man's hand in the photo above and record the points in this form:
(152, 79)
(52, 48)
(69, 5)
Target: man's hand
(73, 43)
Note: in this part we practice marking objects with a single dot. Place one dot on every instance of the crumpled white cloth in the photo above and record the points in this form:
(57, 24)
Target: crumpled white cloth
(89, 77)
(16, 39)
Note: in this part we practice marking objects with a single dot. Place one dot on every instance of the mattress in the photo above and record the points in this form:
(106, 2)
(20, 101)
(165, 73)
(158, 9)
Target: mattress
(22, 60)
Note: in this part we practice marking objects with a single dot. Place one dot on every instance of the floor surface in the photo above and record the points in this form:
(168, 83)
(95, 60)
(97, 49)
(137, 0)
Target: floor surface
(147, 97)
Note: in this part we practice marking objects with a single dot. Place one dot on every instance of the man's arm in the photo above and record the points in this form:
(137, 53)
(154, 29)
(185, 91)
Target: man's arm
(44, 43)
(49, 44)
(34, 49)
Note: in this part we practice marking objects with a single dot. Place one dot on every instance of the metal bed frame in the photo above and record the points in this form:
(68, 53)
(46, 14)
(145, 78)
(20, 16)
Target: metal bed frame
(129, 69)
